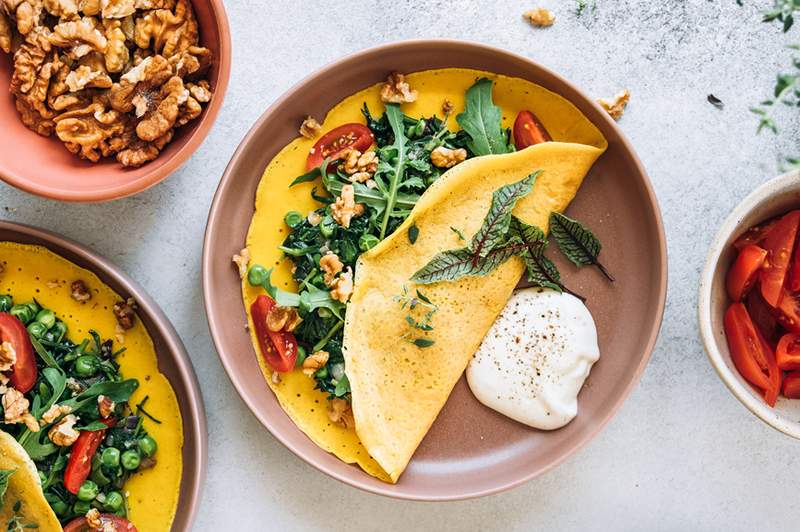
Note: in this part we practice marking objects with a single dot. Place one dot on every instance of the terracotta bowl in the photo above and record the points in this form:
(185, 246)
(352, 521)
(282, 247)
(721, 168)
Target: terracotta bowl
(470, 450)
(771, 199)
(173, 360)
(42, 166)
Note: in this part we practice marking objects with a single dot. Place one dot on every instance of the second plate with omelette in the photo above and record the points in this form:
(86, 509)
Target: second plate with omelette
(400, 277)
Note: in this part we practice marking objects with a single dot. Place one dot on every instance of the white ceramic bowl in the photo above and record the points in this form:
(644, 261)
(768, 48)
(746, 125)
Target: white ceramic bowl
(773, 198)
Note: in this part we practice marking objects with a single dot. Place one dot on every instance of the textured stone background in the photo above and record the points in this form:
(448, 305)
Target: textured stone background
(682, 453)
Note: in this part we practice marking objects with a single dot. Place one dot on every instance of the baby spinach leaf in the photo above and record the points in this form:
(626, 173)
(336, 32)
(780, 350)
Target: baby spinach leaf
(576, 242)
(481, 120)
(5, 475)
(495, 225)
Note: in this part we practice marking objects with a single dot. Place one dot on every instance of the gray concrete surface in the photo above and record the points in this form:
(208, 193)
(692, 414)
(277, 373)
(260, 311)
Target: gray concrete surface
(682, 454)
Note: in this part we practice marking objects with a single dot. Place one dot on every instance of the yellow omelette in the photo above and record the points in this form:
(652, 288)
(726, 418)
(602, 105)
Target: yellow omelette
(397, 388)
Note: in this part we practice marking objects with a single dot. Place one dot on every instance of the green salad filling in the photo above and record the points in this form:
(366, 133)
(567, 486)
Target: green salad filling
(78, 428)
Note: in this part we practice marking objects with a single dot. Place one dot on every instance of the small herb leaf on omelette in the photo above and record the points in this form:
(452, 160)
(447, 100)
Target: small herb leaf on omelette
(420, 315)
(482, 120)
(577, 242)
(5, 475)
(413, 234)
(495, 225)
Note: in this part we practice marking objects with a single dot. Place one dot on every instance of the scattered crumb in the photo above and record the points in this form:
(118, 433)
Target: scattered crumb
(540, 17)
(615, 106)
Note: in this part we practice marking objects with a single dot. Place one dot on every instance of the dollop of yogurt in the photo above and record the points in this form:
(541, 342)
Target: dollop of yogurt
(535, 358)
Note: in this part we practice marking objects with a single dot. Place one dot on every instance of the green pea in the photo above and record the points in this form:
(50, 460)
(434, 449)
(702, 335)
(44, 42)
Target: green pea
(322, 373)
(36, 329)
(59, 507)
(81, 507)
(46, 317)
(59, 331)
(6, 302)
(86, 365)
(110, 457)
(148, 446)
(257, 275)
(23, 313)
(367, 242)
(301, 356)
(131, 460)
(327, 226)
(114, 501)
(416, 130)
(293, 219)
(88, 491)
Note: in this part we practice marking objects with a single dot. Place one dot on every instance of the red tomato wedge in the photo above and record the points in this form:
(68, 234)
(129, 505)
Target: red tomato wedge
(787, 354)
(793, 280)
(788, 311)
(754, 235)
(751, 354)
(763, 316)
(791, 385)
(279, 349)
(779, 244)
(80, 457)
(528, 130)
(118, 524)
(24, 373)
(742, 274)
(335, 141)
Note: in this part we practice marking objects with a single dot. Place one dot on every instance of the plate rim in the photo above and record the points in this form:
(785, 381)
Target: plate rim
(387, 489)
(196, 406)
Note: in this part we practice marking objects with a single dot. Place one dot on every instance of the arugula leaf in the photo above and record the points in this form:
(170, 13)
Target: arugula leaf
(281, 297)
(481, 120)
(576, 242)
(495, 225)
(42, 352)
(395, 171)
(93, 426)
(309, 176)
(119, 392)
(454, 264)
(342, 387)
(5, 475)
(57, 380)
(313, 298)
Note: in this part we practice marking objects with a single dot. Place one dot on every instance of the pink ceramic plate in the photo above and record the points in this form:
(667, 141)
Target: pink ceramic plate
(470, 450)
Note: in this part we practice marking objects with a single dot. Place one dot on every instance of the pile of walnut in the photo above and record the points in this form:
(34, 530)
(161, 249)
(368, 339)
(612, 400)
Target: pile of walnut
(108, 77)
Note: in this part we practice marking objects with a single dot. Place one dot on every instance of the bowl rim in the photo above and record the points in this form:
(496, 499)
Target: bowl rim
(195, 138)
(770, 189)
(216, 328)
(189, 499)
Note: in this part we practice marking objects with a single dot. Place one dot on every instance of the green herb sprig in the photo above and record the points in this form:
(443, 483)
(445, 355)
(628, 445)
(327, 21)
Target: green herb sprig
(414, 304)
(577, 242)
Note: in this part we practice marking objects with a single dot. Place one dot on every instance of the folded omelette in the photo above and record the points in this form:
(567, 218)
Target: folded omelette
(397, 388)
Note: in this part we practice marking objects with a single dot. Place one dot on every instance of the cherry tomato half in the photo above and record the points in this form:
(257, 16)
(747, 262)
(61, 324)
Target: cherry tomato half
(24, 373)
(754, 235)
(751, 354)
(80, 457)
(787, 354)
(279, 349)
(335, 141)
(119, 524)
(742, 274)
(779, 244)
(791, 385)
(528, 130)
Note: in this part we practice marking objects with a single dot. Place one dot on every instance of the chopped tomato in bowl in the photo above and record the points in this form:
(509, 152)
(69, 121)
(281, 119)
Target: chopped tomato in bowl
(762, 321)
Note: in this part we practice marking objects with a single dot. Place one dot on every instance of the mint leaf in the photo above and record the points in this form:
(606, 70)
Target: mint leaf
(482, 120)
(576, 242)
(495, 225)
(454, 264)
(5, 475)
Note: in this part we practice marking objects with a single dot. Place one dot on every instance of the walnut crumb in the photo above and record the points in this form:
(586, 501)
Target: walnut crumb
(63, 433)
(54, 412)
(397, 90)
(314, 362)
(342, 288)
(79, 291)
(123, 311)
(310, 128)
(540, 17)
(105, 406)
(8, 356)
(242, 260)
(615, 106)
(447, 107)
(15, 407)
(340, 411)
(442, 157)
(330, 266)
(345, 207)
